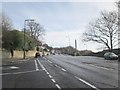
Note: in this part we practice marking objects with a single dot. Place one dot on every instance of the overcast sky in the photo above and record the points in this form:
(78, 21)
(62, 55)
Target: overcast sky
(61, 20)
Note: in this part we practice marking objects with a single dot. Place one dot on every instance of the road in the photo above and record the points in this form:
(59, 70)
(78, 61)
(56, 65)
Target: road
(62, 71)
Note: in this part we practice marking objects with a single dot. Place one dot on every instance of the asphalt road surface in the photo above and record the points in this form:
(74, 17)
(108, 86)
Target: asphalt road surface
(61, 71)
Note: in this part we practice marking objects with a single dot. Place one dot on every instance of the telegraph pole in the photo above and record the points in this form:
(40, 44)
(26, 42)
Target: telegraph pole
(27, 20)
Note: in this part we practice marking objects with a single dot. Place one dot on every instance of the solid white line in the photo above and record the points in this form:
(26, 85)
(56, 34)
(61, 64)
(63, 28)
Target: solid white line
(53, 80)
(57, 86)
(50, 76)
(87, 83)
(19, 72)
(36, 66)
(41, 65)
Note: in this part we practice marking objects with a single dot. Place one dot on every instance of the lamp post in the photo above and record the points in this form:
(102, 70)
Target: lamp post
(27, 20)
(69, 39)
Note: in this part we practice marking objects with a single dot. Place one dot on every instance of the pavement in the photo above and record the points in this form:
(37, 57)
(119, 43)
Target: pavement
(62, 71)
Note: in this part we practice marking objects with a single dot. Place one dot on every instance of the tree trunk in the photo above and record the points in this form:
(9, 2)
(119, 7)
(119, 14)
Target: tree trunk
(111, 45)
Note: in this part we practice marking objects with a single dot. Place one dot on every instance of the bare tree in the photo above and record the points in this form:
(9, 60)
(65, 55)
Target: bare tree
(35, 30)
(104, 30)
(6, 22)
(118, 3)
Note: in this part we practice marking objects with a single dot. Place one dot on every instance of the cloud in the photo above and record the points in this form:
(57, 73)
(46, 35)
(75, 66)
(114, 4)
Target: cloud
(60, 19)
(108, 6)
(61, 39)
(58, 0)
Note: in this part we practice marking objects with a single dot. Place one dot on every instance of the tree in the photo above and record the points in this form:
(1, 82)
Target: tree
(10, 40)
(13, 40)
(35, 30)
(104, 30)
(118, 4)
(6, 22)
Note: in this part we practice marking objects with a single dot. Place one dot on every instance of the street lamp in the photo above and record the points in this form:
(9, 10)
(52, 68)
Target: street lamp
(27, 20)
(69, 39)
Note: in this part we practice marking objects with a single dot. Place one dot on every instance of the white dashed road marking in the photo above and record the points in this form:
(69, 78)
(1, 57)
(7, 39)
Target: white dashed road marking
(92, 86)
(53, 80)
(63, 69)
(57, 86)
(47, 73)
(57, 66)
(50, 76)
(49, 61)
(60, 68)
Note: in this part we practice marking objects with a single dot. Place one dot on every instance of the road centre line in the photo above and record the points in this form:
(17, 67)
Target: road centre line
(60, 68)
(53, 80)
(92, 86)
(57, 66)
(50, 76)
(36, 66)
(57, 86)
(48, 73)
(20, 72)
(63, 69)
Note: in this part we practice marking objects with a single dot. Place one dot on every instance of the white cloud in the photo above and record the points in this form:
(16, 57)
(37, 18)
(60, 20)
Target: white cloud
(60, 39)
(108, 6)
(58, 0)
(61, 21)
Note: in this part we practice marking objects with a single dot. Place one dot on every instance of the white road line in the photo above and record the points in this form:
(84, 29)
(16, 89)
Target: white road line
(41, 65)
(44, 58)
(50, 76)
(86, 83)
(53, 80)
(14, 67)
(63, 69)
(48, 73)
(36, 66)
(45, 70)
(57, 86)
(60, 68)
(19, 72)
(102, 67)
(49, 61)
(57, 66)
